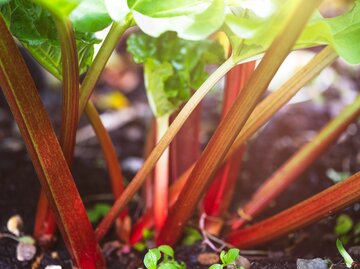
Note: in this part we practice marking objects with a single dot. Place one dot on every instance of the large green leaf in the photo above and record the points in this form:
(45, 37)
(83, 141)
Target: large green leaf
(35, 28)
(169, 8)
(60, 8)
(251, 34)
(195, 26)
(346, 31)
(90, 16)
(173, 67)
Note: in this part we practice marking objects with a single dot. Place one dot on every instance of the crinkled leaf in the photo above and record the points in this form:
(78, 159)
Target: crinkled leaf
(90, 16)
(183, 62)
(151, 258)
(35, 28)
(191, 26)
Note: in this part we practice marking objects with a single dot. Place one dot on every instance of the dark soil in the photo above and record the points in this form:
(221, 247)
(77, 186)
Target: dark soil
(291, 128)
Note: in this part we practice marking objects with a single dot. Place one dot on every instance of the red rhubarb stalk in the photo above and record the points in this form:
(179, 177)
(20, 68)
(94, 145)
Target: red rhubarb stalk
(218, 197)
(302, 159)
(46, 154)
(235, 119)
(44, 223)
(311, 210)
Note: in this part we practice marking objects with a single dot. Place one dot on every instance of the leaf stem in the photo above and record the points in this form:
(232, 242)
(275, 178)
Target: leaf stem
(150, 162)
(116, 31)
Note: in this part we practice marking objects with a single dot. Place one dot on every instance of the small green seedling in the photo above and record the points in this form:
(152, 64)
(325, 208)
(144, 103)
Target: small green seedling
(346, 256)
(153, 256)
(228, 260)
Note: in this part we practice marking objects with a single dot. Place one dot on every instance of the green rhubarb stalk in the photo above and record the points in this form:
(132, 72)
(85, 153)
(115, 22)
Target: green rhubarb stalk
(311, 210)
(228, 129)
(46, 154)
(92, 76)
(301, 160)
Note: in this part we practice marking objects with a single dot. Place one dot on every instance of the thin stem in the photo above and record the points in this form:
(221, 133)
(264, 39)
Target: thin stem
(116, 177)
(228, 129)
(311, 210)
(289, 171)
(161, 178)
(150, 162)
(46, 154)
(101, 58)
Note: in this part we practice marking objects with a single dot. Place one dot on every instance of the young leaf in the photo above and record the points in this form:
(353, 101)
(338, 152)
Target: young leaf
(173, 67)
(343, 224)
(230, 256)
(151, 258)
(216, 266)
(167, 250)
(117, 9)
(193, 26)
(347, 258)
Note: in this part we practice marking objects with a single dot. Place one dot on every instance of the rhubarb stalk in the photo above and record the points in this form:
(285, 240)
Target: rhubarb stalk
(46, 154)
(218, 197)
(311, 210)
(289, 171)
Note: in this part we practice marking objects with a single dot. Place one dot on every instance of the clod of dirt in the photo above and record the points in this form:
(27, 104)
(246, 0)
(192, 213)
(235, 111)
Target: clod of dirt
(311, 264)
(242, 261)
(25, 251)
(208, 258)
(15, 225)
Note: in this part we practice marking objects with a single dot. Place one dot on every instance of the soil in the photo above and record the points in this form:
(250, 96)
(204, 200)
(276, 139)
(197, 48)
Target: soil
(287, 131)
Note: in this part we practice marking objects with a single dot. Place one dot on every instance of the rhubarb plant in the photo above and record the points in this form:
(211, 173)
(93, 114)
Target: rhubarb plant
(175, 46)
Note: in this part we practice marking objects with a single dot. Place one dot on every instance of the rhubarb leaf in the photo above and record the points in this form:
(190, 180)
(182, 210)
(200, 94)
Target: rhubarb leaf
(90, 16)
(35, 28)
(172, 67)
(193, 26)
(346, 32)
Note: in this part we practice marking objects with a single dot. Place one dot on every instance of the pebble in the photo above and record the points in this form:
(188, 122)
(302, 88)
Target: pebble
(311, 264)
(242, 261)
(208, 258)
(355, 251)
(15, 225)
(25, 252)
(53, 267)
